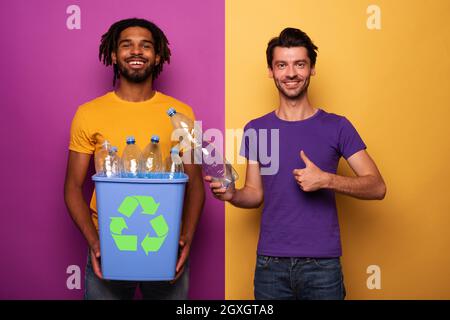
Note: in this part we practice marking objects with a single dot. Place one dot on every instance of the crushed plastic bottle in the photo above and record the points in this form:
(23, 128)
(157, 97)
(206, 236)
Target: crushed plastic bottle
(213, 163)
(216, 166)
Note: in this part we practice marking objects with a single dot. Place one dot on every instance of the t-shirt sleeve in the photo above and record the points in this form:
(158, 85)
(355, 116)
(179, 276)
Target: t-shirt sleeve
(79, 135)
(249, 143)
(349, 140)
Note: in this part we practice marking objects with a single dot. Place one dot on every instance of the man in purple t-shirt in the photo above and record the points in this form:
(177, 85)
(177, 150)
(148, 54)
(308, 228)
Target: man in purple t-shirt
(299, 248)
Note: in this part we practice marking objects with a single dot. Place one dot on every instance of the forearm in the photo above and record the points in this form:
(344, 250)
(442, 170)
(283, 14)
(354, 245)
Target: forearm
(247, 197)
(80, 213)
(193, 206)
(364, 187)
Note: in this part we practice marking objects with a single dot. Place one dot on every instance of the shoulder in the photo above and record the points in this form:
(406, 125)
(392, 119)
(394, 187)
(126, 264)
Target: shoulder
(331, 118)
(174, 102)
(95, 104)
(265, 121)
(337, 121)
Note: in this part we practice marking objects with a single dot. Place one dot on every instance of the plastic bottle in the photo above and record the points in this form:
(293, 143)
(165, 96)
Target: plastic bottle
(130, 159)
(173, 163)
(215, 166)
(112, 163)
(151, 161)
(187, 129)
(100, 156)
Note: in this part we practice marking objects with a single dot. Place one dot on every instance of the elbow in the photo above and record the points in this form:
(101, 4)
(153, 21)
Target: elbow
(71, 192)
(68, 195)
(259, 201)
(381, 192)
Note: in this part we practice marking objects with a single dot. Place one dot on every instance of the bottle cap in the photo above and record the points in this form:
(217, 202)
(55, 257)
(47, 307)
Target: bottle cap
(171, 112)
(155, 138)
(131, 140)
(114, 149)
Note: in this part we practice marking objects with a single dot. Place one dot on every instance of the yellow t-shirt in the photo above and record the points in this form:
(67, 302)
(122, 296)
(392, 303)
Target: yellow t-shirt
(114, 119)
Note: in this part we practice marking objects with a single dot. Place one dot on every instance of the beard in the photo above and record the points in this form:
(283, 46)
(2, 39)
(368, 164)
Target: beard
(135, 76)
(292, 94)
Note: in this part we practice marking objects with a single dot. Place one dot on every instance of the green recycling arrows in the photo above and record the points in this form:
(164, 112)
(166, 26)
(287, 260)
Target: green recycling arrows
(128, 207)
(154, 243)
(117, 225)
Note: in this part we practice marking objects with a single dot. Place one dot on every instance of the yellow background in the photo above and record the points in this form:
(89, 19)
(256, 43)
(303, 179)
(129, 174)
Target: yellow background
(393, 84)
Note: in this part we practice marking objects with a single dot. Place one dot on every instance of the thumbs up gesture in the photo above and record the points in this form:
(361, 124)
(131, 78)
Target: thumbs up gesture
(311, 178)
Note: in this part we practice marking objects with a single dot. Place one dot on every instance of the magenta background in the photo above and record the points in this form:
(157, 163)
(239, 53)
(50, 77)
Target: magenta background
(46, 72)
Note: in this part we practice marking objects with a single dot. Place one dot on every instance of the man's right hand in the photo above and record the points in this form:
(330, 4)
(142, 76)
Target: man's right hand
(95, 259)
(221, 193)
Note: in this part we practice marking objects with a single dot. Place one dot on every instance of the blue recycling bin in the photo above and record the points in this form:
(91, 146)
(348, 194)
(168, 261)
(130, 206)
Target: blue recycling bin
(139, 225)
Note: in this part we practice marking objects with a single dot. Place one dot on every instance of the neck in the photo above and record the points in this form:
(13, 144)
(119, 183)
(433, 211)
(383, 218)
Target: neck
(295, 109)
(135, 92)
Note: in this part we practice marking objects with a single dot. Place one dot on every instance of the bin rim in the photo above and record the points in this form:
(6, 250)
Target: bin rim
(182, 178)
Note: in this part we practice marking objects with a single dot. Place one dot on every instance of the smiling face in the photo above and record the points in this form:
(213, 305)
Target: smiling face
(135, 55)
(291, 70)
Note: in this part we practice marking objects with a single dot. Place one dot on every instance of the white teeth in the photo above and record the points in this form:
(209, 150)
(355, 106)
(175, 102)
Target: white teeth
(136, 62)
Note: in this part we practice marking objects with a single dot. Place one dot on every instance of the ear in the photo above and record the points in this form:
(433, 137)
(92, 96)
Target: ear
(270, 72)
(157, 60)
(114, 58)
(313, 71)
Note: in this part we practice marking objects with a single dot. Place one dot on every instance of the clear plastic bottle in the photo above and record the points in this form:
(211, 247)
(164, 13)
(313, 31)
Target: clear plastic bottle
(151, 161)
(191, 138)
(174, 164)
(112, 163)
(215, 166)
(100, 156)
(130, 159)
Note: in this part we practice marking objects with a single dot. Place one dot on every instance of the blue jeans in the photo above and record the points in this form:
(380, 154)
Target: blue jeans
(298, 278)
(98, 289)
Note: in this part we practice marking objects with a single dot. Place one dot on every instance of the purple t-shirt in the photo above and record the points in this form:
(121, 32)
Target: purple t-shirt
(297, 223)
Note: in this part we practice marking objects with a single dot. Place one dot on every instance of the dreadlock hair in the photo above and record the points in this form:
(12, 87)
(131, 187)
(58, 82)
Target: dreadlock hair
(292, 37)
(110, 39)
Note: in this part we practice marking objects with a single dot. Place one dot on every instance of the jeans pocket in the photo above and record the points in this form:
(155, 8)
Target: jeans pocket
(262, 261)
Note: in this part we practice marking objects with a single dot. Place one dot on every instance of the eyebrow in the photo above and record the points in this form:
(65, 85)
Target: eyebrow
(129, 40)
(284, 61)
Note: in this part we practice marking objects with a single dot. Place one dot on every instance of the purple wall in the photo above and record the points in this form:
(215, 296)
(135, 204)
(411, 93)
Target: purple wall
(48, 70)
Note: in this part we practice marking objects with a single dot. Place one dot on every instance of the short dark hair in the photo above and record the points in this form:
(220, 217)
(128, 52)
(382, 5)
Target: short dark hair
(292, 37)
(110, 39)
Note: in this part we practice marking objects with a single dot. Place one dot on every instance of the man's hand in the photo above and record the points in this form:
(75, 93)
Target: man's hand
(221, 193)
(311, 178)
(95, 259)
(184, 249)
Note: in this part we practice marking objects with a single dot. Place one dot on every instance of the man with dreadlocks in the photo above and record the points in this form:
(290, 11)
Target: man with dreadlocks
(137, 49)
